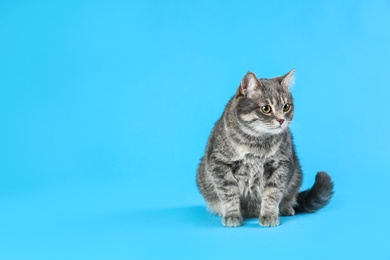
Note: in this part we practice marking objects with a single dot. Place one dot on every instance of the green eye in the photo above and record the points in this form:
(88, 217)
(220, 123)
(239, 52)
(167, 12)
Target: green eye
(286, 108)
(266, 109)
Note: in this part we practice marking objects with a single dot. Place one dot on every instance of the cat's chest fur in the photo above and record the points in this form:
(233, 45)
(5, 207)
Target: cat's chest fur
(248, 173)
(249, 167)
(261, 151)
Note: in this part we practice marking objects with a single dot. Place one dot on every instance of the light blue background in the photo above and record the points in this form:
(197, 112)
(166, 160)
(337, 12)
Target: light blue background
(106, 106)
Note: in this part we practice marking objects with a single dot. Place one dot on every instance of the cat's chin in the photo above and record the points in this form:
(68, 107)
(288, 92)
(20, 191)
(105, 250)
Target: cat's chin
(275, 131)
(270, 130)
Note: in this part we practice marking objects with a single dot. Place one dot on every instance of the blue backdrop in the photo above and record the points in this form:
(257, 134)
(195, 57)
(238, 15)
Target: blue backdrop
(106, 107)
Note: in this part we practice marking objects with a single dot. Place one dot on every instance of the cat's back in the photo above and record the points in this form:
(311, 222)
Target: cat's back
(219, 143)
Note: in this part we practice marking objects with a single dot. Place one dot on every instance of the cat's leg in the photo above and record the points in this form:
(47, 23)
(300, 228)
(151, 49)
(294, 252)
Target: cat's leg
(269, 212)
(214, 204)
(207, 189)
(286, 207)
(274, 186)
(228, 193)
(215, 207)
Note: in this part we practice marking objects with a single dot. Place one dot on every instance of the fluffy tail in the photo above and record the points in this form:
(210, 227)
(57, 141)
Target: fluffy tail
(318, 196)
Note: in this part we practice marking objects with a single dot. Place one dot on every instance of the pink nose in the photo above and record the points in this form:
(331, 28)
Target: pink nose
(281, 121)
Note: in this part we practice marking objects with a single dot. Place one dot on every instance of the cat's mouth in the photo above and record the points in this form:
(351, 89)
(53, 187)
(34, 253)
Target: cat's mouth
(277, 128)
(268, 128)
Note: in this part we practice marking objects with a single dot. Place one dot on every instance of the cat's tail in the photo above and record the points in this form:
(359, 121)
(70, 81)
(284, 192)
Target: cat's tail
(317, 196)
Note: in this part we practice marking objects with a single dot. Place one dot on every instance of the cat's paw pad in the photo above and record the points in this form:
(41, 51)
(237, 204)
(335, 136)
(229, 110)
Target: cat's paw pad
(288, 211)
(232, 221)
(269, 221)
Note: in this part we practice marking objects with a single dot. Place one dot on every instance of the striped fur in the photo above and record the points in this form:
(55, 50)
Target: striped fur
(250, 168)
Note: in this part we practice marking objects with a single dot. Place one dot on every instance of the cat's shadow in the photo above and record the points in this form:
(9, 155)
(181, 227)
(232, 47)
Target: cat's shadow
(180, 217)
(176, 218)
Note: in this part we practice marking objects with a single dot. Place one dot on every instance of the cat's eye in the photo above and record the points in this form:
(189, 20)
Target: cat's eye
(266, 109)
(286, 108)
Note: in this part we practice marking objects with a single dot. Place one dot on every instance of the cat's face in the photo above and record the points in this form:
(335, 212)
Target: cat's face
(265, 105)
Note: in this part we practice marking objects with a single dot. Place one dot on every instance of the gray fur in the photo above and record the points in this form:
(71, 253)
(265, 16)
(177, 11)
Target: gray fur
(250, 168)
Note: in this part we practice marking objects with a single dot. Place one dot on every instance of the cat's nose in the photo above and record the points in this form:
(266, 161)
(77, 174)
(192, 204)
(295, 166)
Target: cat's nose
(281, 121)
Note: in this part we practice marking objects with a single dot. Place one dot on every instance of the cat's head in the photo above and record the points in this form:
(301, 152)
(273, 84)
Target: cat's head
(265, 105)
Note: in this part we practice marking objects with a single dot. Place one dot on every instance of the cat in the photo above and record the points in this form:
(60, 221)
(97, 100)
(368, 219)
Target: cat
(250, 167)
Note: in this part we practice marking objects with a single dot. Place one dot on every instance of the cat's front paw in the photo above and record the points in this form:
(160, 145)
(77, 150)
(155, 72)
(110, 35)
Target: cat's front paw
(232, 221)
(269, 221)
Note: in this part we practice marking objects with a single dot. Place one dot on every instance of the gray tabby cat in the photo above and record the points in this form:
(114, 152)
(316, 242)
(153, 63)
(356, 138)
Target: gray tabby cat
(250, 168)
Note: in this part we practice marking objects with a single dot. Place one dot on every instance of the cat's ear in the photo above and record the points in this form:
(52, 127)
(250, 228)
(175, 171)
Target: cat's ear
(288, 80)
(248, 84)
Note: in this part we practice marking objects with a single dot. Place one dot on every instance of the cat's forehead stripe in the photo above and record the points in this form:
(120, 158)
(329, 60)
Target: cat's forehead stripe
(279, 99)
